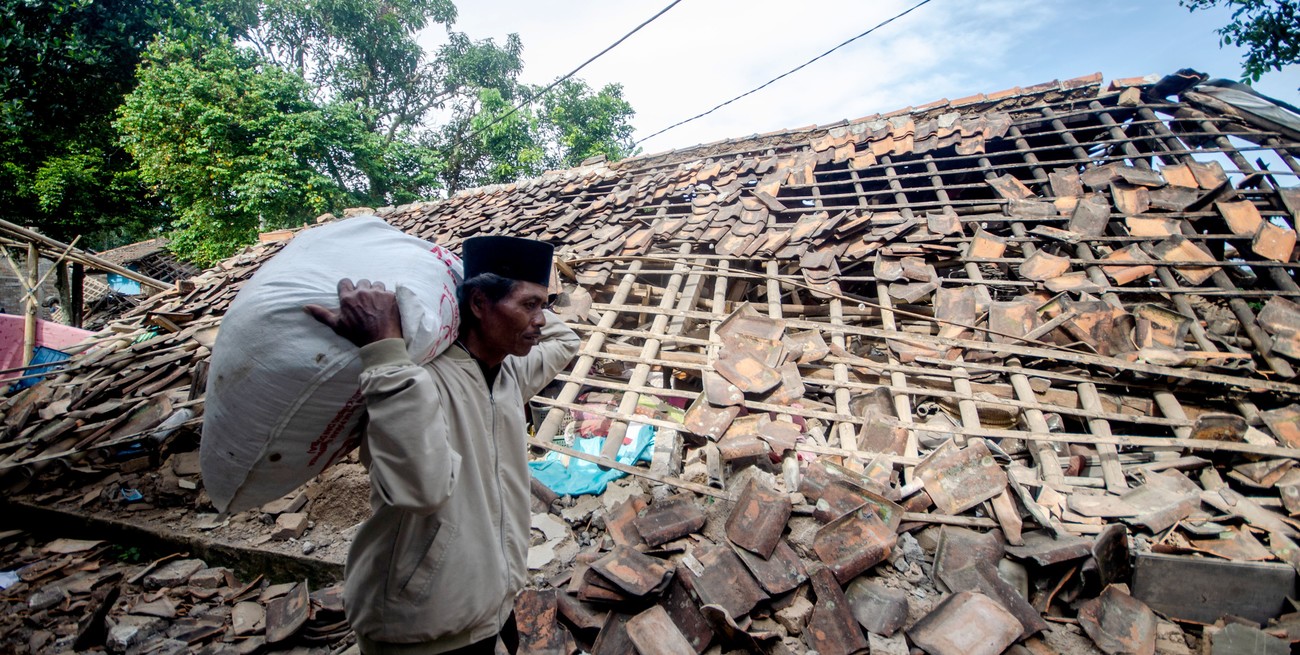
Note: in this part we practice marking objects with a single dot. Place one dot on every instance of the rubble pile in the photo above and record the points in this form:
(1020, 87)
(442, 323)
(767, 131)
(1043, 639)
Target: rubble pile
(836, 561)
(127, 390)
(70, 595)
(1008, 373)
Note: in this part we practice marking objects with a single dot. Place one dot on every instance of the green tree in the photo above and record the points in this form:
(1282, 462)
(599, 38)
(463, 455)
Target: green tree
(580, 124)
(1269, 30)
(365, 52)
(490, 143)
(64, 66)
(246, 114)
(234, 144)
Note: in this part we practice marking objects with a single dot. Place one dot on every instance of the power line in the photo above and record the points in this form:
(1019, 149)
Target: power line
(573, 72)
(789, 72)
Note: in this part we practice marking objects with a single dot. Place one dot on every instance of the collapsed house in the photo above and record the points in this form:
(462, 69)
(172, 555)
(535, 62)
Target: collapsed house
(108, 294)
(1009, 372)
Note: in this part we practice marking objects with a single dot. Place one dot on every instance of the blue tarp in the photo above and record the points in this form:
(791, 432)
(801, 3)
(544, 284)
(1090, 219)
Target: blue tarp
(583, 477)
(124, 285)
(41, 355)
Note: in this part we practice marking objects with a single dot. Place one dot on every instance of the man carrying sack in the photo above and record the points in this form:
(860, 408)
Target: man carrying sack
(436, 567)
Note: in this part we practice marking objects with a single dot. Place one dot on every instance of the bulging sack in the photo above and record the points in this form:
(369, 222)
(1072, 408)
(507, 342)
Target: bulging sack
(282, 398)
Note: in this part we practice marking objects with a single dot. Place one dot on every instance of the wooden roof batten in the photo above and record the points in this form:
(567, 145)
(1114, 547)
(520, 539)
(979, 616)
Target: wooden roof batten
(858, 200)
(1092, 283)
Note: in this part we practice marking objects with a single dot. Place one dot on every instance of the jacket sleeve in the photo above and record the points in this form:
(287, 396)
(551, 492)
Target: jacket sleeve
(412, 464)
(556, 349)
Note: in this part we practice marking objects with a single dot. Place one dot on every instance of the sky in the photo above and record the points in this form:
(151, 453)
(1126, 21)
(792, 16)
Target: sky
(701, 53)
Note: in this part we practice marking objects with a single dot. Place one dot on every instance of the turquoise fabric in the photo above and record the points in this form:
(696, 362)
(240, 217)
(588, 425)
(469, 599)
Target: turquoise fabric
(583, 477)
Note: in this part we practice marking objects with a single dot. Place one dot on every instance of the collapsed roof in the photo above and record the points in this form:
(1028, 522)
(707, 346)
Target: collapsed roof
(1024, 301)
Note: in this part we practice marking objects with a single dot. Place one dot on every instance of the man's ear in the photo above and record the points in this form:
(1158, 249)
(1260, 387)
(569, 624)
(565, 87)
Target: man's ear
(478, 303)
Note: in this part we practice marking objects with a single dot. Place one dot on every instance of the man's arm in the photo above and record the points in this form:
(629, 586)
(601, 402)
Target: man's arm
(412, 465)
(556, 349)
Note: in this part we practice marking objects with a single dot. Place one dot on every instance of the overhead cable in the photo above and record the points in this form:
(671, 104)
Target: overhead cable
(573, 72)
(789, 72)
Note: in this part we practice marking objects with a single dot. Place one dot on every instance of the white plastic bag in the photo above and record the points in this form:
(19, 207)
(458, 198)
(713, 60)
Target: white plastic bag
(282, 398)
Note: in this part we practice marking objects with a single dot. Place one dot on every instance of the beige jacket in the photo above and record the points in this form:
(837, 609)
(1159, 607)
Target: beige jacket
(446, 550)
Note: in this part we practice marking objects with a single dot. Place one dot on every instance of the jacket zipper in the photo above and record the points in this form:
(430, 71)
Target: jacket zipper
(501, 502)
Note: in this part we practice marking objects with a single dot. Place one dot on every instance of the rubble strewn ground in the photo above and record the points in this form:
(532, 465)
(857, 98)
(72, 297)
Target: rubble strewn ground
(1011, 373)
(68, 595)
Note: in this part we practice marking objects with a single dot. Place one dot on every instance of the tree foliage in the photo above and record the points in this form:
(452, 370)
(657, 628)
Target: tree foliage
(233, 143)
(1269, 30)
(65, 65)
(581, 124)
(221, 117)
(488, 143)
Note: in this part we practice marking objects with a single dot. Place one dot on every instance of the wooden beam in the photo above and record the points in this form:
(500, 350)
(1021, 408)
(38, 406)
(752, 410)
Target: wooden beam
(31, 304)
(79, 255)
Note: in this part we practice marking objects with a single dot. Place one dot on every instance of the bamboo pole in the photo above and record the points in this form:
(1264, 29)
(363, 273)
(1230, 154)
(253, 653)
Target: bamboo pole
(79, 255)
(31, 304)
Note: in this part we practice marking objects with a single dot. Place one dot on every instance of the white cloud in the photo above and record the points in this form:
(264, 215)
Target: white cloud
(703, 52)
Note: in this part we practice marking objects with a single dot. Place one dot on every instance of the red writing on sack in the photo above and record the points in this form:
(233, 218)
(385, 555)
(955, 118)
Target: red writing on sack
(336, 425)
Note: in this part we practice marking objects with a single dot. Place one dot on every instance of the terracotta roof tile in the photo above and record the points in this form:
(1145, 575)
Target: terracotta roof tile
(1124, 82)
(1004, 94)
(1080, 82)
(1041, 88)
(1122, 329)
(930, 106)
(978, 98)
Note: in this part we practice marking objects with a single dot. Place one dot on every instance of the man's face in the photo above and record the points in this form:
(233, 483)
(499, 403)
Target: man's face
(513, 325)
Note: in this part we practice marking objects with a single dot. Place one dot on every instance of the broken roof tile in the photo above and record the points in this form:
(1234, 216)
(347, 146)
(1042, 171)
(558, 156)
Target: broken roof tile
(777, 574)
(986, 246)
(1130, 343)
(966, 623)
(654, 633)
(1118, 269)
(1042, 266)
(1284, 423)
(1180, 249)
(1090, 216)
(1209, 175)
(722, 580)
(1179, 175)
(1129, 199)
(1010, 188)
(1119, 623)
(669, 519)
(1065, 182)
(1242, 216)
(1140, 176)
(757, 520)
(1152, 227)
(853, 543)
(832, 627)
(1172, 198)
(1273, 242)
(958, 479)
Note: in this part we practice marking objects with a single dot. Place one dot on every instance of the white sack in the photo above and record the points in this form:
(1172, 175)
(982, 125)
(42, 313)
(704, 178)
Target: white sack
(282, 397)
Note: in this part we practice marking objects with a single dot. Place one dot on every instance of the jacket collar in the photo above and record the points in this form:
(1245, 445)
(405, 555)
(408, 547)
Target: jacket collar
(465, 357)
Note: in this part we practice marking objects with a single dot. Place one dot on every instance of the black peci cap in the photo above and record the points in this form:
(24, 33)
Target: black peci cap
(509, 257)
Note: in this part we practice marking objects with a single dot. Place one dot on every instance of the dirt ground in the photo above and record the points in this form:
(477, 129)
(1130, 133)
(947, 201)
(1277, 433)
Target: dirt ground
(335, 504)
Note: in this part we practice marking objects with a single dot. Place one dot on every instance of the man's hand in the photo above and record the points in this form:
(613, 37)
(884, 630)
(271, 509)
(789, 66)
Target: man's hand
(367, 313)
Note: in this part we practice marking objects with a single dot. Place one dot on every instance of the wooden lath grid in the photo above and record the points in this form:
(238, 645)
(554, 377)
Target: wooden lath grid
(1113, 417)
(1040, 140)
(647, 239)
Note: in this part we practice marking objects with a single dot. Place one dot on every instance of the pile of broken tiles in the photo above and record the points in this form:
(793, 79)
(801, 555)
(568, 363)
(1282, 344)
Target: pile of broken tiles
(68, 595)
(841, 563)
